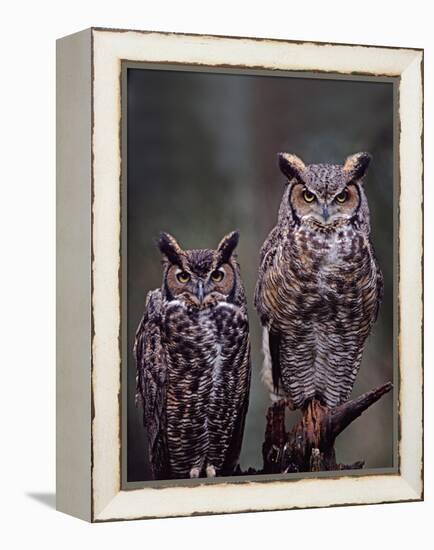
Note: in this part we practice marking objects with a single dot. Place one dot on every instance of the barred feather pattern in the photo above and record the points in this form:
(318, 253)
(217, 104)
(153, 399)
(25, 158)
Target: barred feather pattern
(208, 361)
(151, 381)
(193, 376)
(318, 294)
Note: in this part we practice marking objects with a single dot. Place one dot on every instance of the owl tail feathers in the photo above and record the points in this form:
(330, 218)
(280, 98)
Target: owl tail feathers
(346, 413)
(270, 373)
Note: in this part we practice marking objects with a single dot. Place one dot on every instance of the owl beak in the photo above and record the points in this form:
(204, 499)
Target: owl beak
(325, 212)
(200, 292)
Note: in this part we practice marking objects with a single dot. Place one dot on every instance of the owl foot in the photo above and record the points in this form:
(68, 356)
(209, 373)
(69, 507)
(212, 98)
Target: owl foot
(194, 473)
(210, 471)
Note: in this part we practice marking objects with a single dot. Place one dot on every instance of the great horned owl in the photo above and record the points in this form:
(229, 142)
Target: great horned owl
(319, 286)
(193, 362)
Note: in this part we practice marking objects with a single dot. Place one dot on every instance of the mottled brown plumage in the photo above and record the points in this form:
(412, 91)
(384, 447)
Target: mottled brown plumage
(319, 285)
(193, 362)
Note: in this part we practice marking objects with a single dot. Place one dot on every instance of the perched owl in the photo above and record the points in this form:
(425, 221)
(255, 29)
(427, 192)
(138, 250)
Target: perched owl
(193, 362)
(319, 286)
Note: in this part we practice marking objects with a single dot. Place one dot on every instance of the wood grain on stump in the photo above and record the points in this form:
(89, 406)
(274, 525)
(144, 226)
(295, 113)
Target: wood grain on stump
(309, 445)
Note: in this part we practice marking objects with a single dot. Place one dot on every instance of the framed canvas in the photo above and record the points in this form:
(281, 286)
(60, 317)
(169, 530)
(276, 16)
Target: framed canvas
(239, 274)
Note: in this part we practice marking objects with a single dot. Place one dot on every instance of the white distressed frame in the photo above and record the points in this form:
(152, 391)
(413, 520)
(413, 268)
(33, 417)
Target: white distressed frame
(109, 48)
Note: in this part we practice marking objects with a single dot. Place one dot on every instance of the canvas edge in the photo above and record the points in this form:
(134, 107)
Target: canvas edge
(411, 253)
(73, 275)
(254, 38)
(412, 486)
(119, 510)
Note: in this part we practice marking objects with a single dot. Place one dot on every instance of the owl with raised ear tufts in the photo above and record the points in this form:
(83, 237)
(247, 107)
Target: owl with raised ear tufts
(193, 362)
(319, 286)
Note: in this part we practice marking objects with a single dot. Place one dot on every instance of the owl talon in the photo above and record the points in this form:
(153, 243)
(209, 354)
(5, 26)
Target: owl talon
(210, 471)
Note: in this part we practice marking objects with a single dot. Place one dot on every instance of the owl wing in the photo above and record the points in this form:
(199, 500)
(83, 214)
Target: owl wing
(268, 252)
(234, 449)
(380, 287)
(151, 382)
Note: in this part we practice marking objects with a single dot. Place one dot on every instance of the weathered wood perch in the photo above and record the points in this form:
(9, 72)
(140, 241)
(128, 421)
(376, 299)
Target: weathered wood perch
(309, 446)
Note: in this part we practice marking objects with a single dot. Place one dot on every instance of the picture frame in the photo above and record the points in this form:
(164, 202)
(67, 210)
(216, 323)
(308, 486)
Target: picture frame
(90, 328)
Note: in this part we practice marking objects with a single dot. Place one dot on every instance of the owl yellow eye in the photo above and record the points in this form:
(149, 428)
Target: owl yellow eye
(342, 197)
(217, 275)
(308, 196)
(183, 277)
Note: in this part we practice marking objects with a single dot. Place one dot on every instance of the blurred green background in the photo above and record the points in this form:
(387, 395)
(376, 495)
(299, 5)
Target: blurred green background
(202, 161)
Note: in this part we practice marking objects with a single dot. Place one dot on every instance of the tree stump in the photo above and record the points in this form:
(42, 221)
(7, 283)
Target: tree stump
(309, 446)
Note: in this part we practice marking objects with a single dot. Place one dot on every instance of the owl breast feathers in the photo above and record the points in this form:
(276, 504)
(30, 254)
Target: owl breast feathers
(193, 362)
(319, 286)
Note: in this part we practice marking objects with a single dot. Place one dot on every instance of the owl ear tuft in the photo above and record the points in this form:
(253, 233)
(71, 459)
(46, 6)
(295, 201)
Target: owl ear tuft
(291, 165)
(357, 165)
(227, 246)
(170, 248)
